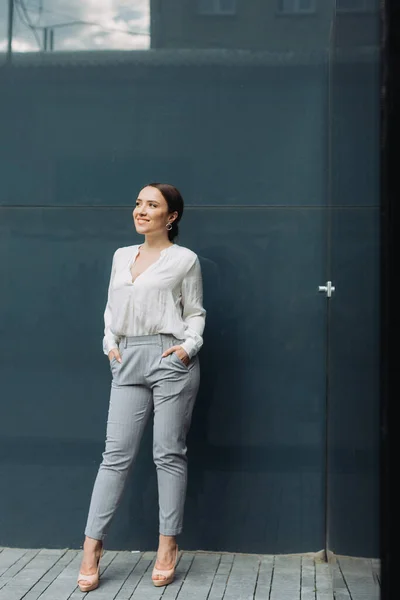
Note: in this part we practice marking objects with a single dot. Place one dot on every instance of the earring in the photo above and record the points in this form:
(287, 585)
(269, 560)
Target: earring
(169, 226)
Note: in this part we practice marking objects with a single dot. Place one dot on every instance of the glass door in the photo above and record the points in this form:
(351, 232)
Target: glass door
(353, 413)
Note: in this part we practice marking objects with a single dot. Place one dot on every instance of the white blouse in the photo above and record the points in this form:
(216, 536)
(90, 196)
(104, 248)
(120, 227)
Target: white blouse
(166, 298)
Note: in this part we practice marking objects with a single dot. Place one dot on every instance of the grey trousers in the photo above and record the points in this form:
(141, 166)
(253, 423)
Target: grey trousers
(144, 383)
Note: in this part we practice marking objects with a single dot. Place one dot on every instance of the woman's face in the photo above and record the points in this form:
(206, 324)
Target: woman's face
(151, 214)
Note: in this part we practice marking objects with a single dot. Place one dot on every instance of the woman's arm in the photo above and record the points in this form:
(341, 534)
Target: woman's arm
(110, 340)
(193, 312)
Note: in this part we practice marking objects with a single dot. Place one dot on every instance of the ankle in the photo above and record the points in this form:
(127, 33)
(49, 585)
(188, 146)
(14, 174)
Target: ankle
(92, 546)
(167, 542)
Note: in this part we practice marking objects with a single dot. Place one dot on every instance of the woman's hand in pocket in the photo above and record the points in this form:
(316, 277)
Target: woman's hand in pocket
(180, 352)
(114, 353)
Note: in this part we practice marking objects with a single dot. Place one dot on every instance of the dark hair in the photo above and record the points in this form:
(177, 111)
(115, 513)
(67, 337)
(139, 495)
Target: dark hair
(174, 200)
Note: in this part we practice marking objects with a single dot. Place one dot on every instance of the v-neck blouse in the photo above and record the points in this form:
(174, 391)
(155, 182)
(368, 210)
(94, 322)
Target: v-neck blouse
(167, 297)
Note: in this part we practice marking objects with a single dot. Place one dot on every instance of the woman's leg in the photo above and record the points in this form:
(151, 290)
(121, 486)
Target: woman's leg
(130, 406)
(174, 396)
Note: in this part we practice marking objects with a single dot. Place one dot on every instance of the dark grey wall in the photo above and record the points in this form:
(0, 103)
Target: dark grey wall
(76, 152)
(248, 144)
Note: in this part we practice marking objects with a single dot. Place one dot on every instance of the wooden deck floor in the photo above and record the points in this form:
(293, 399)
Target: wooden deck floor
(42, 574)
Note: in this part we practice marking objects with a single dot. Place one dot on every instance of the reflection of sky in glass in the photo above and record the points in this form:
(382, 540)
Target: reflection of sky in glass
(77, 24)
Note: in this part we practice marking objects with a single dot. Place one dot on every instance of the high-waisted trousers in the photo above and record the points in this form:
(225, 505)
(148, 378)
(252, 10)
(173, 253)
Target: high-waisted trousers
(142, 384)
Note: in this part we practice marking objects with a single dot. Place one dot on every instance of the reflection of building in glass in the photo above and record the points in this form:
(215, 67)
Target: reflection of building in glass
(276, 25)
(62, 25)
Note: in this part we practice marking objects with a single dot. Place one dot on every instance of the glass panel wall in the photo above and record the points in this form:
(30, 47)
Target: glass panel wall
(229, 102)
(269, 127)
(354, 311)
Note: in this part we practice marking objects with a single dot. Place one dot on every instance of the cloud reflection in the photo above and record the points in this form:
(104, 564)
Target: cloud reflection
(78, 24)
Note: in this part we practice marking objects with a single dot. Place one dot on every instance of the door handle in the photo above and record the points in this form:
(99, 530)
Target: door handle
(328, 288)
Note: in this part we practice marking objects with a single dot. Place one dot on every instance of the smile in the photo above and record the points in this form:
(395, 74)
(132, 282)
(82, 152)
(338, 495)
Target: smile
(142, 220)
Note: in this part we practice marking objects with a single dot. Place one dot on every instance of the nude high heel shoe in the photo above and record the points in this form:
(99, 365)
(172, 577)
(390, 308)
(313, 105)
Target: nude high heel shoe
(87, 583)
(168, 576)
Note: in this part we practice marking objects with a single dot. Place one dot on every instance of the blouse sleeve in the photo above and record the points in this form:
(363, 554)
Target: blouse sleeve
(110, 340)
(193, 312)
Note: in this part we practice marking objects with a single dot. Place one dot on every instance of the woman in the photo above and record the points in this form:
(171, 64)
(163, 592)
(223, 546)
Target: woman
(154, 321)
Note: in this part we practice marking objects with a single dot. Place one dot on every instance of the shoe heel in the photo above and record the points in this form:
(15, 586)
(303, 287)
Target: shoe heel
(168, 576)
(88, 583)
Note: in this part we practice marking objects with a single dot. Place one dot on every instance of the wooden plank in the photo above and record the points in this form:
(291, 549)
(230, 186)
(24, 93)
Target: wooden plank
(9, 557)
(51, 575)
(182, 569)
(339, 585)
(132, 581)
(343, 594)
(17, 567)
(376, 570)
(323, 581)
(23, 581)
(243, 576)
(199, 579)
(114, 577)
(66, 582)
(222, 574)
(286, 579)
(307, 586)
(360, 580)
(145, 588)
(263, 584)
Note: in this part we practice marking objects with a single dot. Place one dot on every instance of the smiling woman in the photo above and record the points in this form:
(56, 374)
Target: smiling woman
(154, 322)
(153, 203)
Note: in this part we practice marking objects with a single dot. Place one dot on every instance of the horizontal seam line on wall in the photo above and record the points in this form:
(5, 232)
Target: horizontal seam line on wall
(196, 206)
